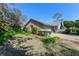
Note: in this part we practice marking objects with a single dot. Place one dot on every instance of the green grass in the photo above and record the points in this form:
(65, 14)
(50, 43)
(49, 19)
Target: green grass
(49, 40)
(61, 48)
(26, 33)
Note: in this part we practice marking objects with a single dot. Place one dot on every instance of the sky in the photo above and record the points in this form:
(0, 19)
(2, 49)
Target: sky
(44, 11)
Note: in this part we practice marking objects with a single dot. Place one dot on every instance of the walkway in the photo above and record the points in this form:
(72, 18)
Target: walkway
(67, 37)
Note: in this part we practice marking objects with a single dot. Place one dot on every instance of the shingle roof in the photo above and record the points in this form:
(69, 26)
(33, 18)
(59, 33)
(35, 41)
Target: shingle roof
(54, 23)
(48, 24)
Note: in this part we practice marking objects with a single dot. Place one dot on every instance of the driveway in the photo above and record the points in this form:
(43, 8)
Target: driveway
(67, 37)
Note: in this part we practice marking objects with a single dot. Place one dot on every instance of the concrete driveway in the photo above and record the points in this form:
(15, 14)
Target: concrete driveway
(67, 37)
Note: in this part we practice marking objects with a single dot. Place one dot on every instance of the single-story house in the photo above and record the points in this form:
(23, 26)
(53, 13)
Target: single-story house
(45, 28)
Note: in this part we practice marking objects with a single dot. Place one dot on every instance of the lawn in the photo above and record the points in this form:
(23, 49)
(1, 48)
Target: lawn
(32, 45)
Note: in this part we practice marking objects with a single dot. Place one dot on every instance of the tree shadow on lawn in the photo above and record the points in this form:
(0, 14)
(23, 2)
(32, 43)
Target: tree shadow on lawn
(61, 50)
(64, 51)
(10, 51)
(69, 51)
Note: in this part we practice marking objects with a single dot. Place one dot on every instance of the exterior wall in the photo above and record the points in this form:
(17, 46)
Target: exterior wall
(31, 23)
(38, 25)
(59, 26)
(42, 26)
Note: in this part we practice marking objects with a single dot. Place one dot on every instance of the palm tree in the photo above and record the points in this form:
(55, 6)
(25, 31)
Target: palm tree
(58, 17)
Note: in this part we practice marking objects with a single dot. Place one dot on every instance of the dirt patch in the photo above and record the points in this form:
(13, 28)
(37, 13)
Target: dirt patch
(29, 45)
(66, 37)
(32, 45)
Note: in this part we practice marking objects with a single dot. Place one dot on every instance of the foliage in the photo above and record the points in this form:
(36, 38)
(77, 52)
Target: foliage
(11, 20)
(8, 35)
(67, 31)
(71, 27)
(26, 33)
(55, 39)
(57, 16)
(11, 16)
(35, 30)
(17, 28)
(68, 24)
(73, 30)
(49, 40)
(77, 23)
(27, 29)
(77, 31)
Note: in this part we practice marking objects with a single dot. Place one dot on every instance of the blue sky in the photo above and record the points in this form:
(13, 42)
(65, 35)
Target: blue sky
(44, 11)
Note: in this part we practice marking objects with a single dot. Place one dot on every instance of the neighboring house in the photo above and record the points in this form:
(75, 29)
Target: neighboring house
(44, 28)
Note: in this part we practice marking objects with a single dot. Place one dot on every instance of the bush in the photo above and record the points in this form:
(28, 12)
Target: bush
(5, 36)
(55, 39)
(72, 30)
(35, 30)
(69, 24)
(67, 31)
(77, 31)
(49, 40)
(46, 40)
(16, 28)
(27, 30)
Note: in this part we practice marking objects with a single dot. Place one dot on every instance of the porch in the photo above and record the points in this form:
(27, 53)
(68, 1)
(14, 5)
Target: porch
(45, 32)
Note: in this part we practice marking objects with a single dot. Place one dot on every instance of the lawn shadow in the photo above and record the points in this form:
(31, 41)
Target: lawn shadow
(69, 51)
(10, 51)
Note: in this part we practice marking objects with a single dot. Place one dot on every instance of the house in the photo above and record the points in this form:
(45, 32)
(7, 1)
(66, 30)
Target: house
(45, 28)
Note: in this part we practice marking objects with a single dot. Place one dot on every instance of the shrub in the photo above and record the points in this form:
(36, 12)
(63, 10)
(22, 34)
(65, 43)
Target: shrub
(27, 30)
(49, 40)
(55, 39)
(35, 30)
(5, 36)
(73, 30)
(46, 40)
(16, 28)
(67, 31)
(69, 24)
(77, 31)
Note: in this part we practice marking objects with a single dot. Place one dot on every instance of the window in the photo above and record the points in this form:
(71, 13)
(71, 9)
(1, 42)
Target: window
(31, 26)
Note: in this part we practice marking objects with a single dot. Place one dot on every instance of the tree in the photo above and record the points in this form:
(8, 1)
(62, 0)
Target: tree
(11, 16)
(10, 21)
(58, 18)
(77, 23)
(68, 24)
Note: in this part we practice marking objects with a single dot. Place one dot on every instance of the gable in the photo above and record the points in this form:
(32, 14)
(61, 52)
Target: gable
(38, 24)
(41, 25)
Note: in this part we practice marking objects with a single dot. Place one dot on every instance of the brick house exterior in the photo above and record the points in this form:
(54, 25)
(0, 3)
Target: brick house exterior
(45, 28)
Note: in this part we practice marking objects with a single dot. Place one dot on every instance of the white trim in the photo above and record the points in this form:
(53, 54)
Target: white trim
(45, 29)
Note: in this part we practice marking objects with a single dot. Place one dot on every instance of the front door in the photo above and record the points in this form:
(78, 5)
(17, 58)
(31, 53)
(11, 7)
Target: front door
(53, 29)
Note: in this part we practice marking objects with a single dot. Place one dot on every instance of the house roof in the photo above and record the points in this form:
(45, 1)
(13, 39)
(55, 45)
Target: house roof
(54, 23)
(47, 24)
